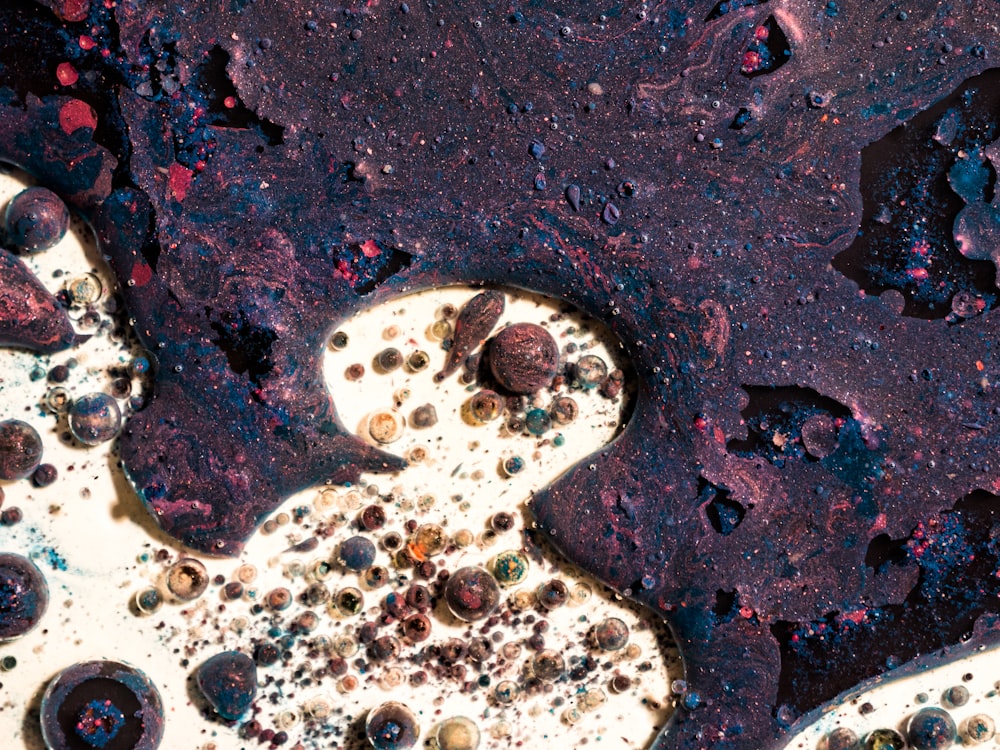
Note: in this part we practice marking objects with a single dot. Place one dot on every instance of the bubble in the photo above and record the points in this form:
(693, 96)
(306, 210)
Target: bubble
(524, 357)
(931, 729)
(418, 361)
(423, 417)
(502, 521)
(553, 593)
(955, 696)
(84, 290)
(471, 594)
(388, 360)
(620, 683)
(427, 541)
(356, 553)
(548, 665)
(417, 628)
(94, 418)
(384, 648)
(486, 405)
(24, 596)
(339, 341)
(610, 634)
(385, 426)
(563, 410)
(148, 601)
(44, 475)
(978, 729)
(843, 738)
(349, 601)
(392, 726)
(36, 219)
(537, 421)
(57, 400)
(513, 465)
(589, 371)
(884, 739)
(506, 692)
(91, 703)
(187, 579)
(229, 682)
(440, 330)
(510, 567)
(819, 435)
(458, 733)
(20, 449)
(372, 518)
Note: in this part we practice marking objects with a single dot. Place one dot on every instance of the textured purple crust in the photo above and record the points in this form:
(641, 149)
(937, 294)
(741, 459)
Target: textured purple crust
(713, 203)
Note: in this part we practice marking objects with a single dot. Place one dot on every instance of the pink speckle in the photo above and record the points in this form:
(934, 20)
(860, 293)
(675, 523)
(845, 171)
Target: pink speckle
(66, 74)
(73, 10)
(141, 274)
(229, 102)
(75, 114)
(87, 43)
(179, 181)
(370, 249)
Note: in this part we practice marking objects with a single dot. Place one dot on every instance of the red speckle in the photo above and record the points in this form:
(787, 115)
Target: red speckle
(229, 102)
(66, 74)
(345, 272)
(917, 274)
(700, 423)
(179, 181)
(75, 114)
(370, 249)
(87, 43)
(74, 10)
(141, 274)
(761, 33)
(751, 61)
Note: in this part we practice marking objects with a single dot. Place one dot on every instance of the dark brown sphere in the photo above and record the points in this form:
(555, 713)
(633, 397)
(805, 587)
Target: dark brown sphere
(524, 357)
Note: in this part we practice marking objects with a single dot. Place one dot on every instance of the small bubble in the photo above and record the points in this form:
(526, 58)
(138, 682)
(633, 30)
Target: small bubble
(486, 405)
(94, 418)
(589, 371)
(931, 729)
(440, 330)
(537, 421)
(524, 357)
(548, 665)
(506, 692)
(611, 634)
(417, 628)
(388, 360)
(458, 733)
(423, 417)
(339, 341)
(20, 449)
(553, 593)
(502, 522)
(187, 579)
(471, 594)
(510, 567)
(349, 601)
(884, 739)
(356, 553)
(427, 541)
(563, 410)
(392, 726)
(385, 426)
(955, 696)
(36, 219)
(620, 683)
(84, 290)
(148, 601)
(375, 577)
(513, 465)
(978, 729)
(24, 596)
(418, 361)
(355, 371)
(278, 599)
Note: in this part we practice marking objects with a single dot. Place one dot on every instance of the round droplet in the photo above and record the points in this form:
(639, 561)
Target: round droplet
(589, 371)
(563, 410)
(486, 405)
(385, 426)
(553, 593)
(357, 553)
(506, 692)
(548, 665)
(955, 696)
(339, 341)
(471, 594)
(843, 738)
(418, 361)
(349, 601)
(513, 465)
(148, 601)
(979, 729)
(187, 579)
(376, 576)
(94, 418)
(24, 596)
(388, 360)
(20, 449)
(502, 522)
(392, 726)
(524, 357)
(101, 704)
(84, 290)
(458, 733)
(819, 435)
(610, 634)
(423, 417)
(537, 421)
(427, 541)
(57, 400)
(931, 729)
(36, 219)
(884, 739)
(417, 628)
(510, 567)
(229, 682)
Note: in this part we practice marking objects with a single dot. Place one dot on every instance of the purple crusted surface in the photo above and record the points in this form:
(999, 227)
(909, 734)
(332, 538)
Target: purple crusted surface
(713, 218)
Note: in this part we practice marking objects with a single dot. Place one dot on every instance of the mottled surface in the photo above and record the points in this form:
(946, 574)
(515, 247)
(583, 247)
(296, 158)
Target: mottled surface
(265, 171)
(229, 681)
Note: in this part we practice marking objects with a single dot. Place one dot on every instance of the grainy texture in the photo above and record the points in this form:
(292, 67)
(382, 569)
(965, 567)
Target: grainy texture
(690, 174)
